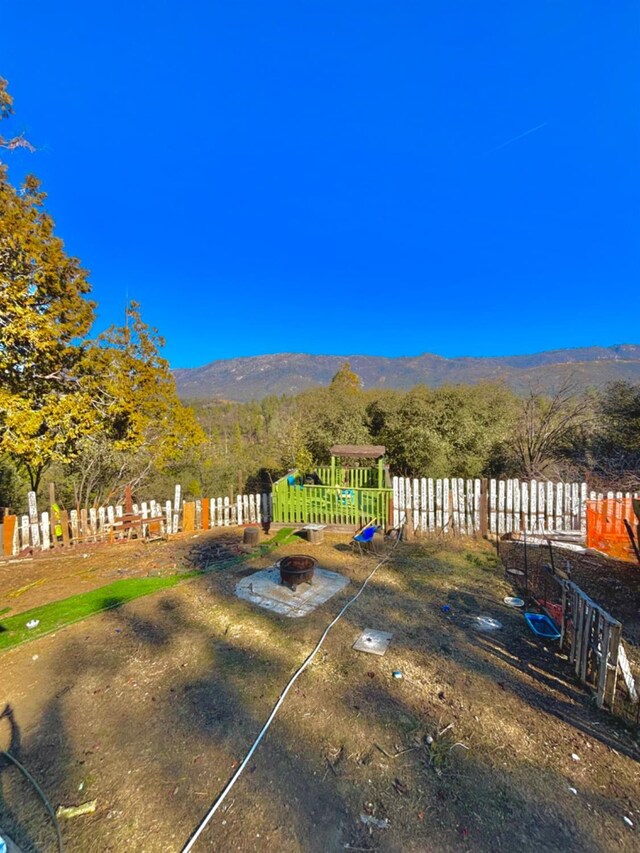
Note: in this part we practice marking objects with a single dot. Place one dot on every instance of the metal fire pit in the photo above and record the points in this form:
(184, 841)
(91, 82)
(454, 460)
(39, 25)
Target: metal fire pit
(295, 570)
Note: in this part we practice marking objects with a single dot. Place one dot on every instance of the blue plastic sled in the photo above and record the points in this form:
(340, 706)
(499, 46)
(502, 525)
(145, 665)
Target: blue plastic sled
(542, 626)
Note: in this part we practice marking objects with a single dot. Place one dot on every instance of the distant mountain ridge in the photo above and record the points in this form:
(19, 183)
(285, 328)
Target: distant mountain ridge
(256, 377)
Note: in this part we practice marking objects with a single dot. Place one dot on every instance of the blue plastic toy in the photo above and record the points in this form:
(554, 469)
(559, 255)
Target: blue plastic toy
(542, 626)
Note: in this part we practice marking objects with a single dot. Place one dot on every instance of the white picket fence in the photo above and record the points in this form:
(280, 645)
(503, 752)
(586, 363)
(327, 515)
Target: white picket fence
(466, 506)
(450, 504)
(36, 529)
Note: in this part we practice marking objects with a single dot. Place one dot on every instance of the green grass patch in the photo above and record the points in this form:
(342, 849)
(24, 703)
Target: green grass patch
(58, 614)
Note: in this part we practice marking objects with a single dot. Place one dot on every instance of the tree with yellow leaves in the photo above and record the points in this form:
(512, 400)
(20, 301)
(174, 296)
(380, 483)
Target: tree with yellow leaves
(61, 395)
(43, 313)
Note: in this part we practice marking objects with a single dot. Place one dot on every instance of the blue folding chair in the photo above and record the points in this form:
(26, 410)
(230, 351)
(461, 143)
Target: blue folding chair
(365, 537)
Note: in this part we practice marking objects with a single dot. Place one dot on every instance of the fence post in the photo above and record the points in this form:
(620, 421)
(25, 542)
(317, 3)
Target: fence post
(33, 519)
(53, 515)
(484, 507)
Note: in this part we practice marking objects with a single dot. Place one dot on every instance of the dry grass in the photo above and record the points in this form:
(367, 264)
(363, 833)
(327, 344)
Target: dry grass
(151, 706)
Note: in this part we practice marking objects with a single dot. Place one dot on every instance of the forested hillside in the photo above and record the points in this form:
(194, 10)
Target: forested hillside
(257, 377)
(465, 431)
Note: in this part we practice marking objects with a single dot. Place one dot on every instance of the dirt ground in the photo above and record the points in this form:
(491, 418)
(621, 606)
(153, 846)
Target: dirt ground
(52, 575)
(148, 709)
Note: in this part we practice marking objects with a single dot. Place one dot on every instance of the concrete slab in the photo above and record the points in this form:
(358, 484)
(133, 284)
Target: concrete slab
(373, 642)
(264, 589)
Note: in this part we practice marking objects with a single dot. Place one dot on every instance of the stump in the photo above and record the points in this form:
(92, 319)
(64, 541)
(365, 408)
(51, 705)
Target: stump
(251, 535)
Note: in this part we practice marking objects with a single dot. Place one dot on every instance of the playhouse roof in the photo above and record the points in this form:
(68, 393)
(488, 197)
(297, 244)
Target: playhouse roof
(359, 451)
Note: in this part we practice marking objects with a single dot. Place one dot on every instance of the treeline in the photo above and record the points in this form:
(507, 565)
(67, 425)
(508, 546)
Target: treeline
(466, 431)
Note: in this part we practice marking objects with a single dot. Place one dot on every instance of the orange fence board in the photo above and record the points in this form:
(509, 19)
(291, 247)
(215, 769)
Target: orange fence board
(606, 531)
(9, 528)
(189, 517)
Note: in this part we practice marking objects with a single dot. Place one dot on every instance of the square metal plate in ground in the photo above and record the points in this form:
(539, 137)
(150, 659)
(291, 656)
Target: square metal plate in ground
(374, 642)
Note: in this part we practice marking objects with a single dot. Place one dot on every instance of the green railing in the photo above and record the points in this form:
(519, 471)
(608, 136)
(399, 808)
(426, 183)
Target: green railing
(306, 504)
(352, 478)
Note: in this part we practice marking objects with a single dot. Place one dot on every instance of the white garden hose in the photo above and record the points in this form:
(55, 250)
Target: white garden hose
(221, 798)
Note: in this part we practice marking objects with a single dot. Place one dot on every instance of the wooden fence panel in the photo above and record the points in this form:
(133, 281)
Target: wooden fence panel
(455, 504)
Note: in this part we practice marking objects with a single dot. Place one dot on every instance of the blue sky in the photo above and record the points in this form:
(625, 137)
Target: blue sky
(341, 177)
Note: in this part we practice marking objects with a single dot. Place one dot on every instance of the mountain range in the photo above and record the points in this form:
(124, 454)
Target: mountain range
(255, 377)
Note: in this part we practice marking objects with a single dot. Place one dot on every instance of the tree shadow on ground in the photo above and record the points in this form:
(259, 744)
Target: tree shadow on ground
(23, 814)
(161, 702)
(456, 634)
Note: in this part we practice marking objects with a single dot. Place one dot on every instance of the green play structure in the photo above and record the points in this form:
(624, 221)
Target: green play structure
(346, 492)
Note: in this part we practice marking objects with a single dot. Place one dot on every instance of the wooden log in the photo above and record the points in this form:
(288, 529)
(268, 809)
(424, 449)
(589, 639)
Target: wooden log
(251, 535)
